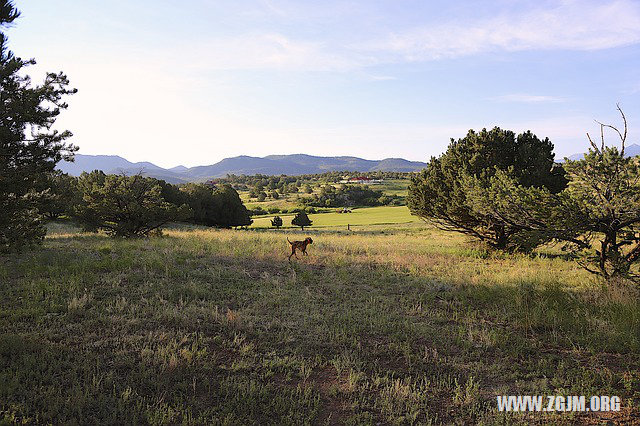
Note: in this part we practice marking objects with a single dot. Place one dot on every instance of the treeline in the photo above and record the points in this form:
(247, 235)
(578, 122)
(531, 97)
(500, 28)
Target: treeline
(351, 195)
(137, 205)
(287, 183)
(507, 191)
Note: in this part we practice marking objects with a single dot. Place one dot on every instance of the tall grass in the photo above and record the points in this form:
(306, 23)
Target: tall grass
(393, 325)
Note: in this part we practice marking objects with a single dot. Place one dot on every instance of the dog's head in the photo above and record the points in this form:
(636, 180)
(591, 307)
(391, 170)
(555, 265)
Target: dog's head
(308, 240)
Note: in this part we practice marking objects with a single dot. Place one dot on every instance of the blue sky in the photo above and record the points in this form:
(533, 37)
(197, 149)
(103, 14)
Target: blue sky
(193, 82)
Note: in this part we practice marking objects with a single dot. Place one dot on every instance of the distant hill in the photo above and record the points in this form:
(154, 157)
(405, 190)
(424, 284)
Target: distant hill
(629, 151)
(295, 164)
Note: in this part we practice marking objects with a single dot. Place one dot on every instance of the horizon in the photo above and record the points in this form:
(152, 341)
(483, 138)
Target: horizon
(370, 80)
(557, 159)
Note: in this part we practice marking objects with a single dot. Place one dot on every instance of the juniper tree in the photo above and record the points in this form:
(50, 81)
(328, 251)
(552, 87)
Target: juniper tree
(216, 206)
(276, 222)
(597, 217)
(438, 193)
(29, 147)
(301, 219)
(61, 195)
(125, 206)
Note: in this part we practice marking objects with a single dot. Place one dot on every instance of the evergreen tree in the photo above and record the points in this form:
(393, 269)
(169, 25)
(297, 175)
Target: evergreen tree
(597, 216)
(61, 195)
(29, 148)
(216, 206)
(125, 206)
(276, 222)
(301, 219)
(438, 193)
(231, 210)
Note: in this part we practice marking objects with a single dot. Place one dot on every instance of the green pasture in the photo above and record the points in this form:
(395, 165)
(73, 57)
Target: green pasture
(358, 217)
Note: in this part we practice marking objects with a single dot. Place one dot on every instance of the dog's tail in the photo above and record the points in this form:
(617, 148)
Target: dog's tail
(289, 241)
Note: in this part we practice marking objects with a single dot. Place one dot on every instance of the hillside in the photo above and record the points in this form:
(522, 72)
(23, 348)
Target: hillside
(295, 164)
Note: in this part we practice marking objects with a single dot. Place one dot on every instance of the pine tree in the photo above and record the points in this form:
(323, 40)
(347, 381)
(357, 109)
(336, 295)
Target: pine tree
(29, 148)
(301, 219)
(438, 193)
(276, 222)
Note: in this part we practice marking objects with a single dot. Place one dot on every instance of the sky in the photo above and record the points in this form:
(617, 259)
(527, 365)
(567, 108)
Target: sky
(190, 83)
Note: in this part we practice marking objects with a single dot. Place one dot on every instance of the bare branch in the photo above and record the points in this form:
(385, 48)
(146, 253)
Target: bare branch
(624, 119)
(621, 135)
(592, 144)
(601, 135)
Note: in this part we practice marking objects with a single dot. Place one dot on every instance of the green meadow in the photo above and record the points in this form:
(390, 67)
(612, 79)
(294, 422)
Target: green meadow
(359, 217)
(393, 324)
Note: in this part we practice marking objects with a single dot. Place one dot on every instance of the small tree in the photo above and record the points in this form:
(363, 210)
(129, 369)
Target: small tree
(262, 196)
(276, 222)
(60, 196)
(125, 206)
(301, 219)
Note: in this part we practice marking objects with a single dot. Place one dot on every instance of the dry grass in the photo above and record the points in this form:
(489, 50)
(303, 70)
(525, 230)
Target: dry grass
(391, 325)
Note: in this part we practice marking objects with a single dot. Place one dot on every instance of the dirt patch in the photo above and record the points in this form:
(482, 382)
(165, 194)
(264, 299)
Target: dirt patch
(335, 408)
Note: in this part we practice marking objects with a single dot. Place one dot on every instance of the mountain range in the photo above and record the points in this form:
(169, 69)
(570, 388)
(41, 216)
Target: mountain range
(294, 164)
(629, 151)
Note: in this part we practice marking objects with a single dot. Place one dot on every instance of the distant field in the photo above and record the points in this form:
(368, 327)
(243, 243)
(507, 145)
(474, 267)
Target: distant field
(358, 217)
(206, 326)
(388, 187)
(394, 187)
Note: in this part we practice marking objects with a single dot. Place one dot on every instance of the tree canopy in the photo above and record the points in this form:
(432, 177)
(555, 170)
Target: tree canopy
(597, 216)
(438, 193)
(301, 219)
(125, 206)
(29, 147)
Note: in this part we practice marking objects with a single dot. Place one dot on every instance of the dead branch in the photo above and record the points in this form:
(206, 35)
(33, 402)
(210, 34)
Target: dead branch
(621, 135)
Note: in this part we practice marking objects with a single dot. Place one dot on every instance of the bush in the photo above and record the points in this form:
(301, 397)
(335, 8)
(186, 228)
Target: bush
(125, 206)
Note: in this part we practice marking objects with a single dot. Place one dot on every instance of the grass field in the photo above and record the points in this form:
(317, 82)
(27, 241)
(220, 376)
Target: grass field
(388, 187)
(395, 325)
(358, 217)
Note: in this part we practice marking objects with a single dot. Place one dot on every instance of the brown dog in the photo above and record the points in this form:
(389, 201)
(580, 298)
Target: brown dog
(302, 245)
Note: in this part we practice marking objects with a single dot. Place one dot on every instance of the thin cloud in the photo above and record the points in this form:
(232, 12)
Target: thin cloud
(572, 25)
(528, 99)
(267, 51)
(382, 78)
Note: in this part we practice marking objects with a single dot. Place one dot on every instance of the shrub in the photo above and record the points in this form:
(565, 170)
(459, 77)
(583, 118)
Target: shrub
(125, 206)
